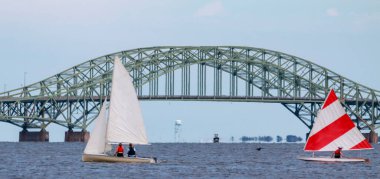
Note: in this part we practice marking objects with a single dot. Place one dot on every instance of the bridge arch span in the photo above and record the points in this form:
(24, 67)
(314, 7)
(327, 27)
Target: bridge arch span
(214, 73)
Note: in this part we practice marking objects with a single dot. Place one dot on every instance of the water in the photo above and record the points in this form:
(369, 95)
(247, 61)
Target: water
(63, 160)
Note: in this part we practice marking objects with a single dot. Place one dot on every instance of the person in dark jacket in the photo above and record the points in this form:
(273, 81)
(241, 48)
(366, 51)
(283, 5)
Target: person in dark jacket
(131, 151)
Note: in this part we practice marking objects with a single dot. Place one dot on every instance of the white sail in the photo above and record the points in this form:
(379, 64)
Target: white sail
(97, 143)
(125, 122)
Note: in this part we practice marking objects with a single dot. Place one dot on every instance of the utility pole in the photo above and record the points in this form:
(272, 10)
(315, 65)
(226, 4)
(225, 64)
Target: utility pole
(25, 78)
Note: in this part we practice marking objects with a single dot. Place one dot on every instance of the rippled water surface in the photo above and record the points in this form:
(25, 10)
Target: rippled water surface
(63, 160)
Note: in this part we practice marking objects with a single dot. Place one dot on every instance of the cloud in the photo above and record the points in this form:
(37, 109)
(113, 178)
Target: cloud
(332, 12)
(211, 9)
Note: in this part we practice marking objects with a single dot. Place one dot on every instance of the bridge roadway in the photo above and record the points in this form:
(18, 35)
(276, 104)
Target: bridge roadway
(293, 100)
(70, 135)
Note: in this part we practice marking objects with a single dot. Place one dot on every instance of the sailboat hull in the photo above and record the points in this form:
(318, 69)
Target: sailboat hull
(106, 158)
(329, 159)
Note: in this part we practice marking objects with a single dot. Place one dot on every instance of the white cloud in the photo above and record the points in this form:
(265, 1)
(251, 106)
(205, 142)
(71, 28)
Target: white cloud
(211, 9)
(332, 12)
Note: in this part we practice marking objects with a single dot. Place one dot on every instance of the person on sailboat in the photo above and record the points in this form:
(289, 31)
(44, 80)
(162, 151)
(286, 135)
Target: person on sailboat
(131, 151)
(338, 153)
(119, 151)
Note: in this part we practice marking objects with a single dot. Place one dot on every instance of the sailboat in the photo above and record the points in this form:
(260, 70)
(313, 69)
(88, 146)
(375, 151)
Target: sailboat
(123, 123)
(333, 128)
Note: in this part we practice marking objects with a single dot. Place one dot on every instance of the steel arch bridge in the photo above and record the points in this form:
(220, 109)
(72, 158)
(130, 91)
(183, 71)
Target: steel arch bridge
(72, 98)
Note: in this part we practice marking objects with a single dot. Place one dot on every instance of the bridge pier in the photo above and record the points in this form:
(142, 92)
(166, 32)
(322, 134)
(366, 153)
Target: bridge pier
(27, 136)
(372, 137)
(73, 136)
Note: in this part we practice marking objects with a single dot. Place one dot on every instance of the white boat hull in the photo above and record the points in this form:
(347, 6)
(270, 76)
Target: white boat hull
(329, 159)
(106, 158)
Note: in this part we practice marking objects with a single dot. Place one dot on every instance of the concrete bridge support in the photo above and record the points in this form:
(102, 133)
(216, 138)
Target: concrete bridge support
(372, 137)
(73, 136)
(27, 136)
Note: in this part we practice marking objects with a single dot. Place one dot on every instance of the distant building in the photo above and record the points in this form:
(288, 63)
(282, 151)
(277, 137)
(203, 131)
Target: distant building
(279, 139)
(265, 138)
(247, 139)
(293, 138)
(255, 139)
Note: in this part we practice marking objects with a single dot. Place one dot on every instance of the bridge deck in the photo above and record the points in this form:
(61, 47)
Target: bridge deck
(184, 98)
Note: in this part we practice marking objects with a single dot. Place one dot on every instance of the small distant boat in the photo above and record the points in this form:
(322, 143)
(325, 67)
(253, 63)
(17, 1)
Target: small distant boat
(122, 124)
(216, 138)
(332, 129)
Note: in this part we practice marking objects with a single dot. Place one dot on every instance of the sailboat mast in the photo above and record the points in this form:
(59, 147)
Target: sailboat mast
(115, 63)
(107, 116)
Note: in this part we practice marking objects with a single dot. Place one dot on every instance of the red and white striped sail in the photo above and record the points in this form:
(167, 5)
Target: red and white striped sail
(333, 128)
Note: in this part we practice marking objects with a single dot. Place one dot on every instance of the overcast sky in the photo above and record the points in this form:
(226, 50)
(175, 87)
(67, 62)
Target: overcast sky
(44, 37)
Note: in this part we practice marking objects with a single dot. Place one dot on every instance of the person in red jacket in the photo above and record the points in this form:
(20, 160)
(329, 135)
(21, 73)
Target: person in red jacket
(119, 151)
(338, 153)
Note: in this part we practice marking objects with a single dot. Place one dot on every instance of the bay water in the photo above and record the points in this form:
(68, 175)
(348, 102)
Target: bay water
(182, 160)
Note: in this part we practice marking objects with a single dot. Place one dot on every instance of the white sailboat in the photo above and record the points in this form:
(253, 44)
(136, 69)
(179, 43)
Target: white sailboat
(333, 128)
(123, 123)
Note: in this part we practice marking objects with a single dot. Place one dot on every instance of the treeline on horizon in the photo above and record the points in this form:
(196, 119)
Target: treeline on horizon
(289, 138)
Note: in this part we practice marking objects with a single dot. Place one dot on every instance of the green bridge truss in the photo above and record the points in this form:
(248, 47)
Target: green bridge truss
(207, 73)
